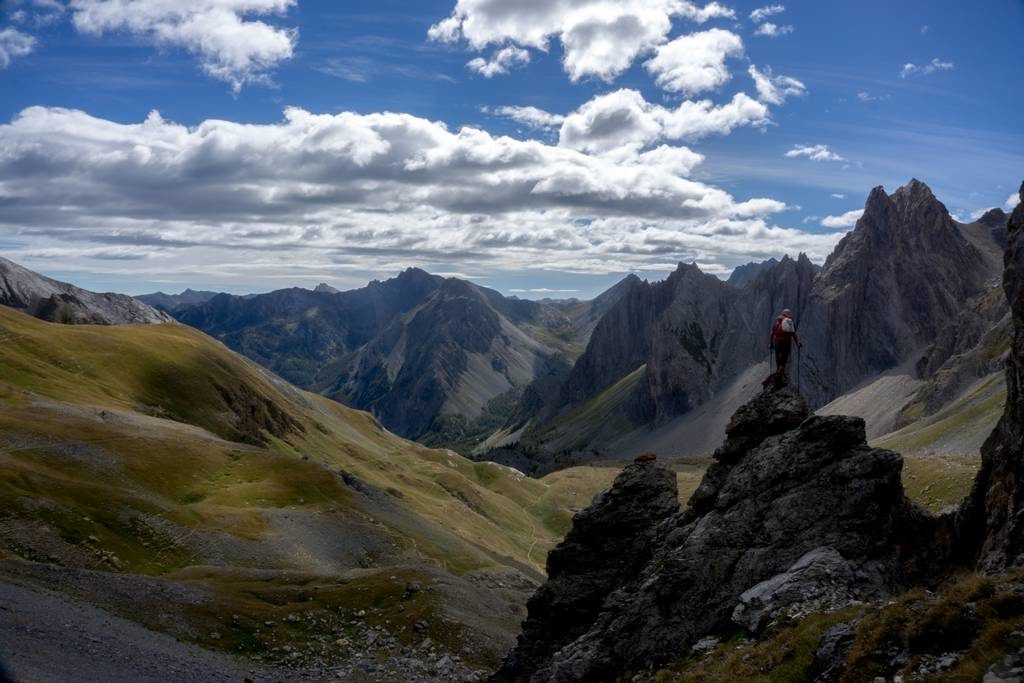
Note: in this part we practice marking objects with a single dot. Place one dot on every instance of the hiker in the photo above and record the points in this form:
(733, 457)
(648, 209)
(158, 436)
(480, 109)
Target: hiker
(781, 343)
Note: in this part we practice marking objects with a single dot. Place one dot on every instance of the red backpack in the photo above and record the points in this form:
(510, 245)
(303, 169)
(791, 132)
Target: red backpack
(782, 329)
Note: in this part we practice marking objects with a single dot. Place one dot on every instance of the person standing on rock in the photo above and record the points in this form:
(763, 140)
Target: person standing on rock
(783, 337)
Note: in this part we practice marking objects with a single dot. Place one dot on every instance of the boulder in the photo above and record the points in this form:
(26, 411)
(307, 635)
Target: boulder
(820, 581)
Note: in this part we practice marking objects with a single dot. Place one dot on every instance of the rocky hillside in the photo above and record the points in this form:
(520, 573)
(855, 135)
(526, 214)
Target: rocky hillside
(797, 516)
(48, 299)
(436, 359)
(907, 287)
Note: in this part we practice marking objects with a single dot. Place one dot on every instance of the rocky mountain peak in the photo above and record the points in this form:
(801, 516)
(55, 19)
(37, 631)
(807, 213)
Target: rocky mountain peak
(743, 275)
(994, 218)
(685, 272)
(877, 201)
(915, 190)
(325, 288)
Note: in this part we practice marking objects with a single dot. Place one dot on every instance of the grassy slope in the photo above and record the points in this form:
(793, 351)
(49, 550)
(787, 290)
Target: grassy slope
(180, 376)
(154, 450)
(598, 420)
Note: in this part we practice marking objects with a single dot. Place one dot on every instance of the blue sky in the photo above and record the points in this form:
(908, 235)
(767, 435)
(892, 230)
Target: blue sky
(629, 173)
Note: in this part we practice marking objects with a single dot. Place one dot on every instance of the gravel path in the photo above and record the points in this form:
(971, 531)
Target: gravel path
(43, 637)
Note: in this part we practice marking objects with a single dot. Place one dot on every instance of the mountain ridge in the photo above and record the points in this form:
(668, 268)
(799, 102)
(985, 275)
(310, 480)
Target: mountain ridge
(55, 301)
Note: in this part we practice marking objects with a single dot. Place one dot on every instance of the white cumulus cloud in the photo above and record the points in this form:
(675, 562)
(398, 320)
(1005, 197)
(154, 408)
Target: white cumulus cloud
(910, 69)
(500, 62)
(623, 118)
(231, 45)
(772, 30)
(814, 153)
(694, 63)
(14, 43)
(774, 89)
(600, 38)
(377, 191)
(1012, 201)
(843, 221)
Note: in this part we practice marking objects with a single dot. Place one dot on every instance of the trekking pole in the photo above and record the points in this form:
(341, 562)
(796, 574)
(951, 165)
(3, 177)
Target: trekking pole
(799, 362)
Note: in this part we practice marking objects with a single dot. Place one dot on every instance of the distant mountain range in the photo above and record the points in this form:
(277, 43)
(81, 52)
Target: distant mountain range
(437, 359)
(175, 302)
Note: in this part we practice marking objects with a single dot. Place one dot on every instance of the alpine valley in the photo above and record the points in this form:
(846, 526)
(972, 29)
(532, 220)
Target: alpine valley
(371, 484)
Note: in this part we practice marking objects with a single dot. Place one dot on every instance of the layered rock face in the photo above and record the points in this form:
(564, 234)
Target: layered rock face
(887, 291)
(796, 509)
(690, 330)
(991, 521)
(61, 302)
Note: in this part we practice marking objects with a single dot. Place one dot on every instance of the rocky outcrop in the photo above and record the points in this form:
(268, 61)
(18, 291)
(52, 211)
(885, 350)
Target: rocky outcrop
(609, 543)
(991, 521)
(797, 513)
(61, 302)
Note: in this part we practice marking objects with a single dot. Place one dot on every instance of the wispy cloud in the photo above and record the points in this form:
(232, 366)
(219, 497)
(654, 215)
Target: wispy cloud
(814, 153)
(500, 62)
(865, 96)
(14, 43)
(762, 13)
(365, 69)
(775, 89)
(910, 69)
(532, 117)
